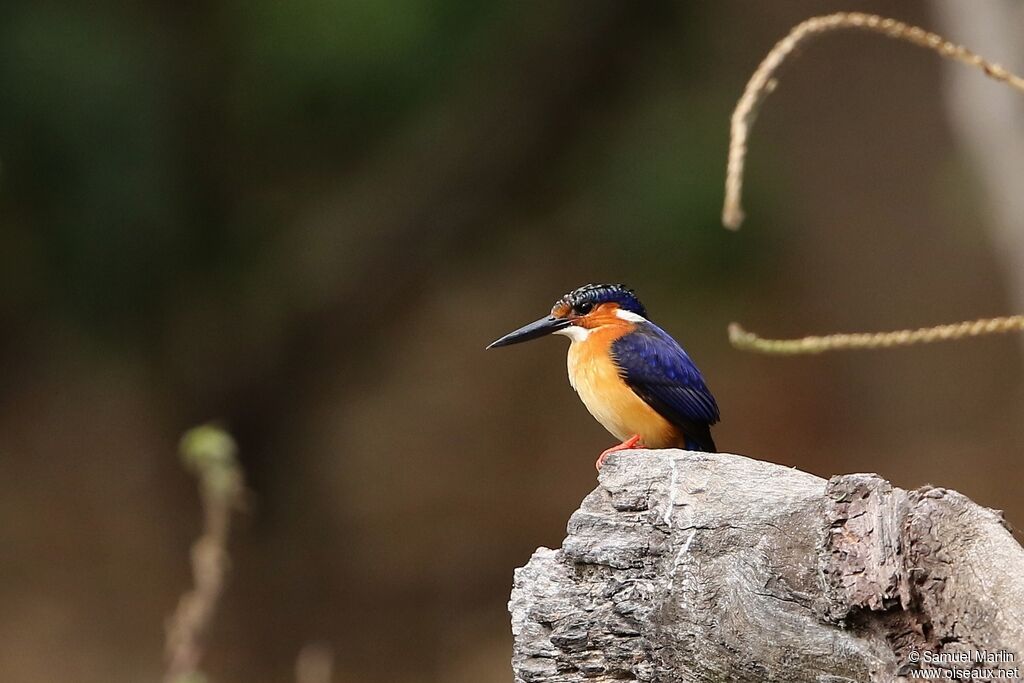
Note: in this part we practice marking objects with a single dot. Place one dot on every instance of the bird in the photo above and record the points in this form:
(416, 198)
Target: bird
(632, 376)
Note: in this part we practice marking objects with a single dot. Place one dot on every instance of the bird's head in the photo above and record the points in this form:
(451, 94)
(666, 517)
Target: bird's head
(580, 311)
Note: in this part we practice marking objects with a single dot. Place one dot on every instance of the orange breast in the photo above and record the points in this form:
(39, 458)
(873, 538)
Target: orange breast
(596, 379)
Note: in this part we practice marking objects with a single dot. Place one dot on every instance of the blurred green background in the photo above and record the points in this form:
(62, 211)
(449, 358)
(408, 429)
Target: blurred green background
(308, 218)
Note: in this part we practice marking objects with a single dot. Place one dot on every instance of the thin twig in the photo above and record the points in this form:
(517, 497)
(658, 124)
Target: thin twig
(763, 82)
(748, 341)
(209, 452)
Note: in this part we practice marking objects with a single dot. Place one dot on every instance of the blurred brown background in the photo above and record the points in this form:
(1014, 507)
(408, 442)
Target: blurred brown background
(308, 218)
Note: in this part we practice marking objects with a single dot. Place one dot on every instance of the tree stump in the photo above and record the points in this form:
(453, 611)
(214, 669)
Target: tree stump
(688, 566)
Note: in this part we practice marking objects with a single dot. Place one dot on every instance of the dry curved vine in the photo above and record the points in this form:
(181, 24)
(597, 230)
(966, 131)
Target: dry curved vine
(763, 82)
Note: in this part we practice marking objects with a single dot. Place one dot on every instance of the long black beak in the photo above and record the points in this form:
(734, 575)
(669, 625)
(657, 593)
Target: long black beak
(538, 328)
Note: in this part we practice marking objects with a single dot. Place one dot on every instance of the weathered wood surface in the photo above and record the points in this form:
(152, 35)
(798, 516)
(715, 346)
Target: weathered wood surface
(713, 567)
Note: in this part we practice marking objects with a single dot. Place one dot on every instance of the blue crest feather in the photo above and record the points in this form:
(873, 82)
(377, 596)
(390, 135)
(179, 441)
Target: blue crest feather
(600, 294)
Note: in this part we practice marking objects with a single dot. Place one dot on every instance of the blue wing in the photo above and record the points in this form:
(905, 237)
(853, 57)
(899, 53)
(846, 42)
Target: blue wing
(660, 372)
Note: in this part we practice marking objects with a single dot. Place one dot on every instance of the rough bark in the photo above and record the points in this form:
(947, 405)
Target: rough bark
(713, 567)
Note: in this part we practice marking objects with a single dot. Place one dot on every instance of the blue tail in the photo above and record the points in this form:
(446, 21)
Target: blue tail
(700, 440)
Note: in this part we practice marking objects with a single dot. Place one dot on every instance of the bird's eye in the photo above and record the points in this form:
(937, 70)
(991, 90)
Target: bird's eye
(584, 308)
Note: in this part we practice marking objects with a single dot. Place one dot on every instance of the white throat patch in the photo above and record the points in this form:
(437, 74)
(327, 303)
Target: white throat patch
(574, 332)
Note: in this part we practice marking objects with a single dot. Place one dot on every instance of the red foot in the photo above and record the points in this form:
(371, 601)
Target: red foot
(628, 444)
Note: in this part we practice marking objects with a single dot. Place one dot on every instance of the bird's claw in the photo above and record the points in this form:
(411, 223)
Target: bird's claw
(629, 444)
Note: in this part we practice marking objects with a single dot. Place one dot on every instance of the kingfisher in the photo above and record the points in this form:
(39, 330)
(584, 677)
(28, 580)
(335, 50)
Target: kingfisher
(632, 376)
